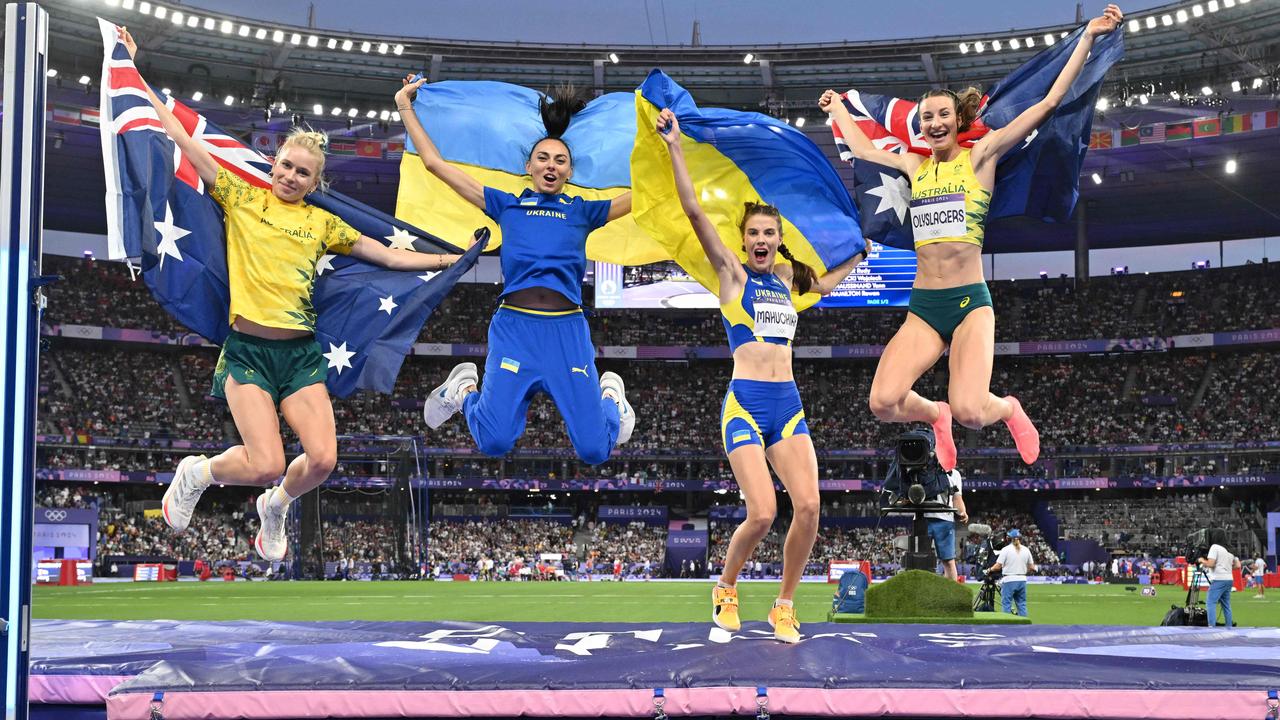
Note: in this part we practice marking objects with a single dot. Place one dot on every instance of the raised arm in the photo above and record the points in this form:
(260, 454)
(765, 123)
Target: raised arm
(620, 206)
(206, 167)
(859, 143)
(998, 142)
(722, 259)
(828, 282)
(457, 180)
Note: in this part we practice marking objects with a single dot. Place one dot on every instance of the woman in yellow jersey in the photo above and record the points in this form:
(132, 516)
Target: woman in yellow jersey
(270, 359)
(950, 304)
(762, 422)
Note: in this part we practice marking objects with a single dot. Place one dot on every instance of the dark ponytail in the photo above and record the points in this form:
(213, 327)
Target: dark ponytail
(803, 278)
(557, 108)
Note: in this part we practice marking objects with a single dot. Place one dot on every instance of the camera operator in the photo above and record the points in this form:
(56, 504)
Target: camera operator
(942, 526)
(1219, 562)
(1014, 562)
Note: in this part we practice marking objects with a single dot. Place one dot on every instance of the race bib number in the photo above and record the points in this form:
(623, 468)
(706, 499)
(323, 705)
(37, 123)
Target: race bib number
(774, 320)
(942, 216)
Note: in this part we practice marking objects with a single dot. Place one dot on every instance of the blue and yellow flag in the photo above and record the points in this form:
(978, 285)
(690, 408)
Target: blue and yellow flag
(487, 129)
(737, 157)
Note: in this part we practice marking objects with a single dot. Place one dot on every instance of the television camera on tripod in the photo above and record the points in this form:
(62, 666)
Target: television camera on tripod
(915, 479)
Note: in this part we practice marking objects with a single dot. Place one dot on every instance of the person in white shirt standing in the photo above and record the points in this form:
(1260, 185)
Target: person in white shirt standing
(1014, 562)
(942, 525)
(1259, 576)
(1219, 562)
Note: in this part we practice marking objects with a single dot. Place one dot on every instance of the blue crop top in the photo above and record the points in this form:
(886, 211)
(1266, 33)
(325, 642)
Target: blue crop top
(763, 313)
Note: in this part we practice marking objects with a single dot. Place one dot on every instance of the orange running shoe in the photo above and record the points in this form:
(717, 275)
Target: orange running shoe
(944, 444)
(1025, 435)
(724, 608)
(786, 628)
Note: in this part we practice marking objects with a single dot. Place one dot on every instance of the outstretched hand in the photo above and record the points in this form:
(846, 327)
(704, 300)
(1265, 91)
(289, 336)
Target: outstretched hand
(829, 101)
(1110, 19)
(408, 91)
(127, 39)
(668, 127)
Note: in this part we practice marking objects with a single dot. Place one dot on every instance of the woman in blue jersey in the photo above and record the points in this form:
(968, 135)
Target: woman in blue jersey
(538, 338)
(950, 303)
(762, 422)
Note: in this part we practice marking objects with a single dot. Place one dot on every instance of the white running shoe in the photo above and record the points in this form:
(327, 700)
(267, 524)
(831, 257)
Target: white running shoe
(183, 493)
(626, 415)
(271, 542)
(447, 398)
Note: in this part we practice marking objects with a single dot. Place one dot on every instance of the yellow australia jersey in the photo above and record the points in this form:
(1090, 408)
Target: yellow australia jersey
(947, 203)
(272, 250)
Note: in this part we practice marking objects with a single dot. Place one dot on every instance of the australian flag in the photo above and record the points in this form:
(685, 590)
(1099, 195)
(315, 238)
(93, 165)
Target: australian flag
(1040, 177)
(159, 210)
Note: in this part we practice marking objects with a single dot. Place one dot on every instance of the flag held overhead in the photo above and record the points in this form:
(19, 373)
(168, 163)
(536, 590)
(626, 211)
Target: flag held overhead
(737, 157)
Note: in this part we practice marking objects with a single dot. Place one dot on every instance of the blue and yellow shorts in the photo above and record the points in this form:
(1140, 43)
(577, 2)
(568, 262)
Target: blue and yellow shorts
(756, 412)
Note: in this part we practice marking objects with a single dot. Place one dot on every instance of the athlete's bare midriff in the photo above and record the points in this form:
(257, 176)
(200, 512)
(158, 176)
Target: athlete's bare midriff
(539, 298)
(948, 264)
(248, 327)
(768, 362)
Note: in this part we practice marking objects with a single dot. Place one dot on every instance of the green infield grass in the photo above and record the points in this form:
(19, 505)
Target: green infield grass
(561, 602)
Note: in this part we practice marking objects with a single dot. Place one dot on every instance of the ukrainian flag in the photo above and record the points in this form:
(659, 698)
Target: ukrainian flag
(737, 157)
(487, 129)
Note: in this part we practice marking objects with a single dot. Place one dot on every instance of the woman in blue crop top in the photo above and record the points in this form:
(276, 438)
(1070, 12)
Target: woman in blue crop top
(762, 422)
(538, 338)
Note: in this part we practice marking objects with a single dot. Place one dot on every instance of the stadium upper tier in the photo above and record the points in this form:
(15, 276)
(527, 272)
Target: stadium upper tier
(262, 61)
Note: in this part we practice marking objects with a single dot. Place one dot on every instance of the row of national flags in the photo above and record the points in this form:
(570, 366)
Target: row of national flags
(1184, 130)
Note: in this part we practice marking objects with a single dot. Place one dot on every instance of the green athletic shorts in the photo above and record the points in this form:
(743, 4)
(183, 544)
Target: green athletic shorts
(945, 309)
(281, 367)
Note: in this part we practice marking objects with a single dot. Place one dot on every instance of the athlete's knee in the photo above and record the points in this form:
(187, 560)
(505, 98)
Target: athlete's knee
(968, 413)
(495, 445)
(266, 468)
(758, 523)
(322, 461)
(805, 511)
(884, 403)
(593, 454)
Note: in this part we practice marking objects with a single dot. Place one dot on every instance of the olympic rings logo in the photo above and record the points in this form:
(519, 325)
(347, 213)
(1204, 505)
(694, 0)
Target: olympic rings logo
(55, 515)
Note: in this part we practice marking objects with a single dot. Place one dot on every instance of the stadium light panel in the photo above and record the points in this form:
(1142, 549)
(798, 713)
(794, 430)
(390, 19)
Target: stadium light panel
(395, 115)
(979, 46)
(336, 111)
(295, 39)
(613, 58)
(52, 72)
(1142, 99)
(1030, 41)
(127, 4)
(365, 46)
(192, 21)
(1014, 44)
(177, 17)
(161, 12)
(964, 48)
(371, 114)
(1197, 10)
(1212, 5)
(243, 31)
(1097, 179)
(1235, 86)
(346, 45)
(229, 100)
(261, 34)
(383, 48)
(1166, 20)
(277, 36)
(397, 49)
(1181, 16)
(1175, 94)
(1231, 166)
(1151, 22)
(332, 44)
(144, 7)
(84, 79)
(317, 109)
(197, 96)
(312, 41)
(996, 45)
(746, 59)
(1206, 91)
(1102, 103)
(1228, 3)
(1134, 25)
(385, 115)
(226, 27)
(166, 91)
(799, 122)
